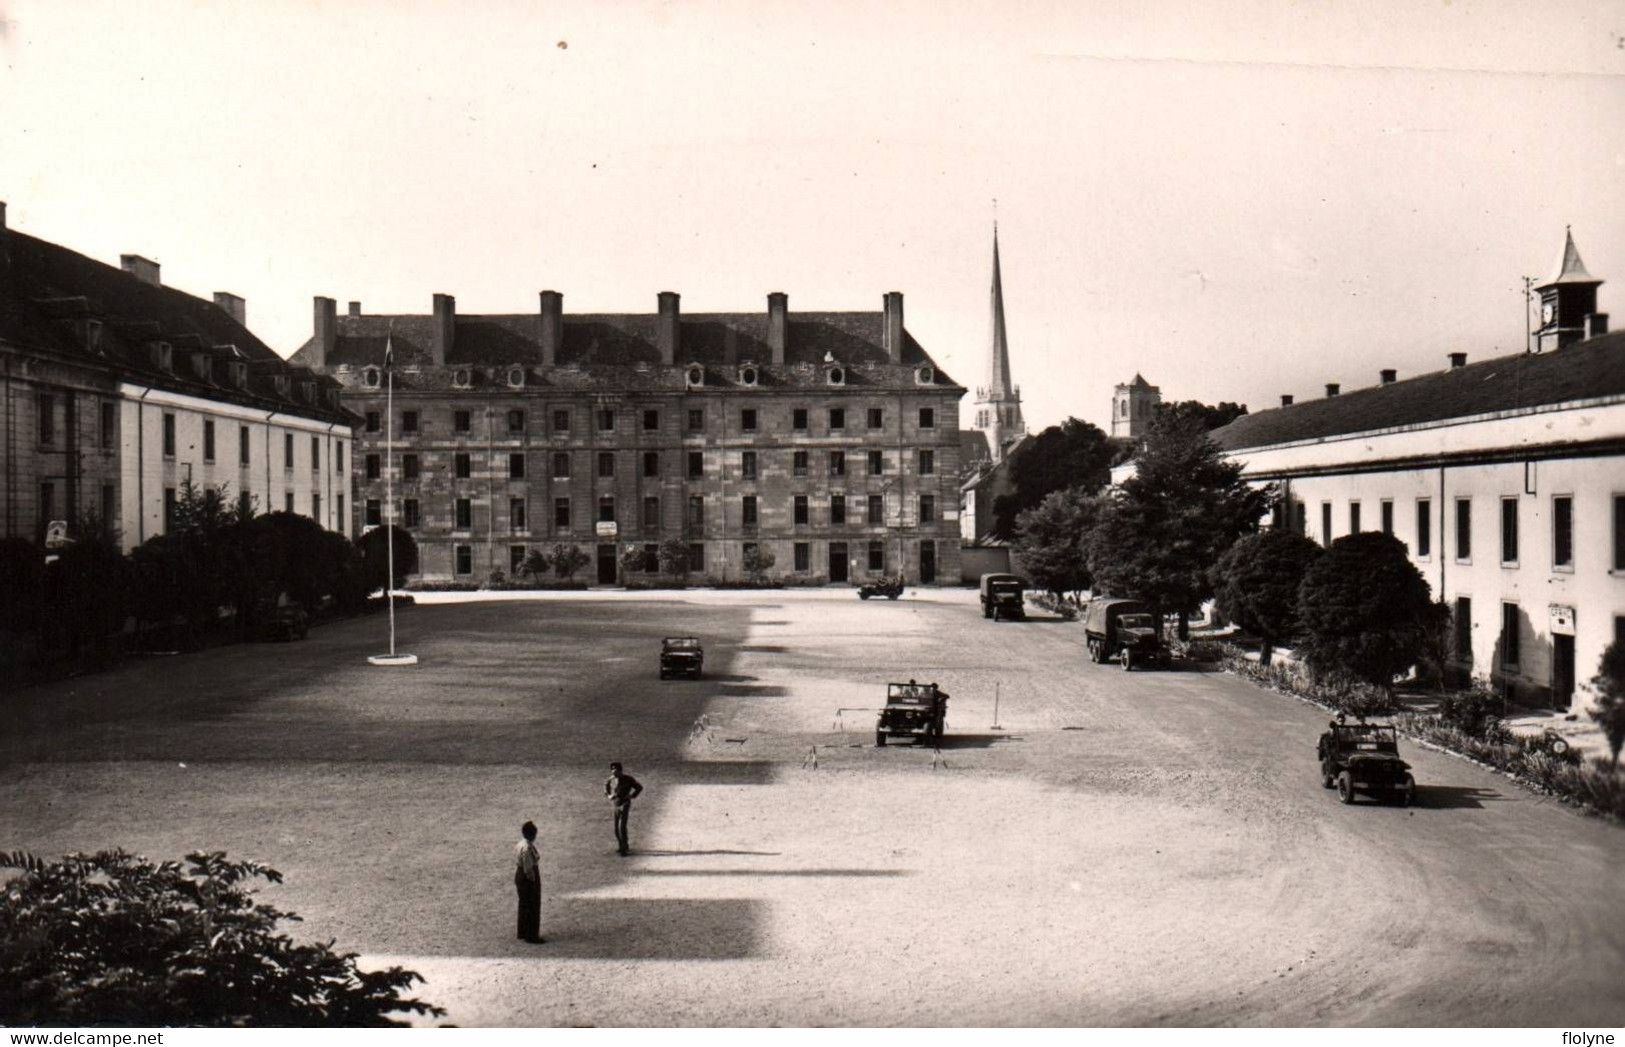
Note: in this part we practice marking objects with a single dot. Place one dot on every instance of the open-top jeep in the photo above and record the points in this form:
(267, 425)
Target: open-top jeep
(681, 656)
(890, 588)
(1364, 757)
(915, 710)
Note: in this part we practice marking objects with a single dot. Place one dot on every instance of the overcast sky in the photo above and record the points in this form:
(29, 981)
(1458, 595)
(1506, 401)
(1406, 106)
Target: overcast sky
(1236, 199)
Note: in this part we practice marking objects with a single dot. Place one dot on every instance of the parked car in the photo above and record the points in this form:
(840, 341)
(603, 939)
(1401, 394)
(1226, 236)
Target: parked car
(1003, 596)
(1364, 757)
(890, 588)
(288, 622)
(681, 656)
(1124, 631)
(916, 710)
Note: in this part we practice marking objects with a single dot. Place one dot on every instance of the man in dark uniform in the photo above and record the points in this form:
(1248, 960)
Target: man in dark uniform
(527, 880)
(620, 790)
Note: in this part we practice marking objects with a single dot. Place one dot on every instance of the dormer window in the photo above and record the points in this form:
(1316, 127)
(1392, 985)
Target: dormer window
(696, 375)
(239, 374)
(203, 366)
(836, 376)
(747, 376)
(308, 391)
(516, 377)
(282, 384)
(925, 375)
(461, 378)
(163, 354)
(372, 378)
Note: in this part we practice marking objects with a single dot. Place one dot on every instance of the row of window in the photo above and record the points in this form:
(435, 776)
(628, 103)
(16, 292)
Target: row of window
(518, 512)
(245, 445)
(1562, 534)
(45, 419)
(801, 558)
(605, 419)
(462, 464)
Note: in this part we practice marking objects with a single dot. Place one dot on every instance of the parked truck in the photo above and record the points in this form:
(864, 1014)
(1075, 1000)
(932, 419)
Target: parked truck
(1003, 597)
(1124, 631)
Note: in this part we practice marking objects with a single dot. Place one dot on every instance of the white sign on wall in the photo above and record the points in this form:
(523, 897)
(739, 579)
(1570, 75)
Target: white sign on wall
(607, 529)
(1562, 619)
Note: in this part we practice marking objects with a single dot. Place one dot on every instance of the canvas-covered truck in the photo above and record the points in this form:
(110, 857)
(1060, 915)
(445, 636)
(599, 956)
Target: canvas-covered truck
(913, 710)
(1003, 596)
(1123, 631)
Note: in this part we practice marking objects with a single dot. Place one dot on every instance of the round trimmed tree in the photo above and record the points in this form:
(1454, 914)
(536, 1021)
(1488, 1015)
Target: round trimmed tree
(1366, 611)
(1256, 584)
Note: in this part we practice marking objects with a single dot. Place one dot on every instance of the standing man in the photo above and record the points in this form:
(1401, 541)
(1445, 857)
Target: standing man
(621, 790)
(527, 879)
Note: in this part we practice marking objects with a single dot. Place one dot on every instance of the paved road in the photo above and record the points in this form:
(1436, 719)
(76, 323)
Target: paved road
(1128, 849)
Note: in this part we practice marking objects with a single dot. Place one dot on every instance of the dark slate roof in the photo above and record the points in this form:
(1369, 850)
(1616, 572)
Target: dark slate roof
(48, 292)
(1585, 370)
(621, 350)
(973, 447)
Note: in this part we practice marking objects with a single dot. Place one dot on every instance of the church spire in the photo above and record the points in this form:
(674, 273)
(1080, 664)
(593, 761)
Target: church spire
(998, 383)
(998, 404)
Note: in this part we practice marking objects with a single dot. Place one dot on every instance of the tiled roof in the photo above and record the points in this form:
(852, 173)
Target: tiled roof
(1584, 370)
(621, 350)
(47, 290)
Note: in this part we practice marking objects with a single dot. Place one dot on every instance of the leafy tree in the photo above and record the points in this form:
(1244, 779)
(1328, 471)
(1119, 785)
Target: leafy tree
(1072, 454)
(633, 560)
(1609, 711)
(536, 564)
(758, 558)
(114, 938)
(1210, 416)
(1157, 537)
(1366, 610)
(374, 549)
(289, 553)
(1049, 541)
(1256, 584)
(568, 559)
(22, 580)
(674, 557)
(86, 592)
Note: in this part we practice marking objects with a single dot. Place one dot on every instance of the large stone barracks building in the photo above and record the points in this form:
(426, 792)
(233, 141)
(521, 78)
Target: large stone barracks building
(830, 440)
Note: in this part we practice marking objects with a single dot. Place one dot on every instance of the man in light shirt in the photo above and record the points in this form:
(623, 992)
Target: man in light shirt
(527, 879)
(620, 790)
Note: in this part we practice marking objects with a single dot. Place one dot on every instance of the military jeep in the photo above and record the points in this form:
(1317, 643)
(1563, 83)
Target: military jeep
(1364, 758)
(916, 710)
(681, 656)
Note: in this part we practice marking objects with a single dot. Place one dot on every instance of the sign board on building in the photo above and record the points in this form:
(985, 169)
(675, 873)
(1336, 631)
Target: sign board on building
(1562, 619)
(950, 514)
(56, 534)
(607, 529)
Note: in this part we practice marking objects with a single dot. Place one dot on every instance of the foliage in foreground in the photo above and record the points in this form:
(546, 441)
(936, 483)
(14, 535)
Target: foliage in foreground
(114, 938)
(1609, 711)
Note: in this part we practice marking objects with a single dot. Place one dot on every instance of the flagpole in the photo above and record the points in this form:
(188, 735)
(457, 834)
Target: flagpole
(392, 658)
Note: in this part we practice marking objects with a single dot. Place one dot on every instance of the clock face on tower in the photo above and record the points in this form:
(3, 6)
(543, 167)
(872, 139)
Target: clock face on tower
(1548, 311)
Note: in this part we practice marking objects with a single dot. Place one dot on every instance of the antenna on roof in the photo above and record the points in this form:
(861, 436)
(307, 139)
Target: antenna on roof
(1528, 296)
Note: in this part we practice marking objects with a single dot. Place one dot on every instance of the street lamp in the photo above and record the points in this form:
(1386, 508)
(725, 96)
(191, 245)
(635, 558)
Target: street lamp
(392, 658)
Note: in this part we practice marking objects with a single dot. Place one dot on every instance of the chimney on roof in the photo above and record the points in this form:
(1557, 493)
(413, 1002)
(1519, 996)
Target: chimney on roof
(1332, 389)
(1389, 376)
(1596, 323)
(893, 329)
(233, 305)
(355, 308)
(778, 323)
(445, 328)
(326, 331)
(669, 331)
(1286, 399)
(143, 269)
(1458, 360)
(552, 327)
(2, 216)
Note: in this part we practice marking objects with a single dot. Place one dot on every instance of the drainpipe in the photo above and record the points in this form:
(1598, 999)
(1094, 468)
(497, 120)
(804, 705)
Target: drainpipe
(268, 418)
(141, 466)
(332, 467)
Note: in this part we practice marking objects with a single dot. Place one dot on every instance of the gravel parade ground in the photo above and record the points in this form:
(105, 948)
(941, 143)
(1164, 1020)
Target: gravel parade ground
(1147, 848)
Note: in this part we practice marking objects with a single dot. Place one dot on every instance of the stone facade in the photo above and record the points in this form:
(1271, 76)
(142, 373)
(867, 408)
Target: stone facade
(830, 440)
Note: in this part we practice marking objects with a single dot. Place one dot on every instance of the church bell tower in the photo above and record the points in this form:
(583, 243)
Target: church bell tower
(998, 404)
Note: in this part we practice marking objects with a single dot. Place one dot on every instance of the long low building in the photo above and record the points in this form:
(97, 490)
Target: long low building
(1505, 478)
(117, 391)
(829, 440)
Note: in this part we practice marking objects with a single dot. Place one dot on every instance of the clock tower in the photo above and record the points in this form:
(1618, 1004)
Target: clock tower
(1568, 302)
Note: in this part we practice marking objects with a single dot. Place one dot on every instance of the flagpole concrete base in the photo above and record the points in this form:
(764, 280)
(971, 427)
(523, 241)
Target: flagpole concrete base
(392, 659)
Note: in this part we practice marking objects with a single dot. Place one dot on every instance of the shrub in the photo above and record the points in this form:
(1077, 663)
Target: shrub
(757, 560)
(374, 546)
(1256, 584)
(114, 938)
(1609, 711)
(568, 559)
(1476, 713)
(1365, 609)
